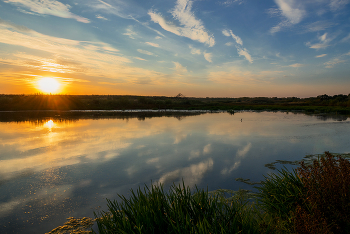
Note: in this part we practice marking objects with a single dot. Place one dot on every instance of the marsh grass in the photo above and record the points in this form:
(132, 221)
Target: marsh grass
(151, 210)
(278, 196)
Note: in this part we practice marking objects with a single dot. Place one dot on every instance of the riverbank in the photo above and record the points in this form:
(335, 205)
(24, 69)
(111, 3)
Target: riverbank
(320, 104)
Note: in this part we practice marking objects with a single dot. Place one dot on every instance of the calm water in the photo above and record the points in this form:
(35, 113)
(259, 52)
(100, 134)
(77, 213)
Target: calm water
(54, 169)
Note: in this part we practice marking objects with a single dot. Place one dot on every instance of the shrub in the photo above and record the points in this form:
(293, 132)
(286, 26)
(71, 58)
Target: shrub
(328, 196)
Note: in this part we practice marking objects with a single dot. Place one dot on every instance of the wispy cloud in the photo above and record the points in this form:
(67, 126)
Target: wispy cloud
(338, 4)
(320, 56)
(144, 52)
(208, 57)
(291, 11)
(152, 44)
(323, 42)
(194, 50)
(114, 8)
(346, 39)
(318, 46)
(339, 59)
(297, 65)
(101, 17)
(333, 62)
(192, 27)
(233, 74)
(179, 68)
(239, 45)
(130, 32)
(318, 26)
(73, 57)
(140, 59)
(236, 38)
(244, 52)
(48, 7)
(15, 26)
(231, 2)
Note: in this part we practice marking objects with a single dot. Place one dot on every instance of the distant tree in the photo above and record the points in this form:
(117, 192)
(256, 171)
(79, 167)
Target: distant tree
(324, 97)
(180, 95)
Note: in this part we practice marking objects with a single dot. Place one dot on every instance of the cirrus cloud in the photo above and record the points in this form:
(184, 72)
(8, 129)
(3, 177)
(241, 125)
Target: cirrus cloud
(291, 11)
(144, 52)
(208, 57)
(236, 38)
(239, 46)
(191, 27)
(152, 44)
(297, 65)
(48, 7)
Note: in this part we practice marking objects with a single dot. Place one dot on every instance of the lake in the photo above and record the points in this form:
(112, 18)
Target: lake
(53, 168)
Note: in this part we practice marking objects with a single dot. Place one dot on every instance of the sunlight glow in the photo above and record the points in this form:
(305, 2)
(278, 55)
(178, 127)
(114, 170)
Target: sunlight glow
(48, 85)
(49, 124)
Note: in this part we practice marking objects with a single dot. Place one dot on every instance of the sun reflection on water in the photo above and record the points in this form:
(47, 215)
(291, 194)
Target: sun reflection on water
(49, 124)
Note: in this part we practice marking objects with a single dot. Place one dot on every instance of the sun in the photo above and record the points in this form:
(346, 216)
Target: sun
(48, 85)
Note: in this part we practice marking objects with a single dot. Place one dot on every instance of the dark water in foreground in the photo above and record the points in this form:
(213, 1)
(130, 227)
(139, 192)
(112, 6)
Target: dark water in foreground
(53, 169)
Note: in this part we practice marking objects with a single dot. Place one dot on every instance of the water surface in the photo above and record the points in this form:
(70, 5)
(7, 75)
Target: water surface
(55, 168)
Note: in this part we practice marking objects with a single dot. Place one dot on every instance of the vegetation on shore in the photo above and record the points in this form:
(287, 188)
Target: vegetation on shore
(323, 103)
(310, 199)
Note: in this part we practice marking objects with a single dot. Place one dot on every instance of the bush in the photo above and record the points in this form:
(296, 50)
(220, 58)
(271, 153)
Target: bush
(327, 201)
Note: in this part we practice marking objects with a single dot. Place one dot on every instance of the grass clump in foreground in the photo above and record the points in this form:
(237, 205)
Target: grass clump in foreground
(310, 199)
(151, 210)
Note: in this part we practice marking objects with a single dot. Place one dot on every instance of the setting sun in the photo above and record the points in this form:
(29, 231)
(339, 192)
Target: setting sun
(48, 85)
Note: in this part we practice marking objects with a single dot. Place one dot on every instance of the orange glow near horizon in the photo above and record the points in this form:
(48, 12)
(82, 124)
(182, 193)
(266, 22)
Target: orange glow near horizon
(49, 124)
(48, 85)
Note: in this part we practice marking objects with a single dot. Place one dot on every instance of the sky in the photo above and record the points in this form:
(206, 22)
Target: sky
(200, 48)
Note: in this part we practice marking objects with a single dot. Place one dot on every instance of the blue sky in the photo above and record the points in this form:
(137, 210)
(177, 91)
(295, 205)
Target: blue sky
(216, 48)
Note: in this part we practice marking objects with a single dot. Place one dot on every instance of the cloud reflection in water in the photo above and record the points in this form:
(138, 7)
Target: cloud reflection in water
(63, 168)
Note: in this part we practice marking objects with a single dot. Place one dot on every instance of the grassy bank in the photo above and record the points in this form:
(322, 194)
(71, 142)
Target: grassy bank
(310, 199)
(325, 104)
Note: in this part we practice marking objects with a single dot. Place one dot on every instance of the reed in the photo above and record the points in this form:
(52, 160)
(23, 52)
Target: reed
(151, 210)
(279, 195)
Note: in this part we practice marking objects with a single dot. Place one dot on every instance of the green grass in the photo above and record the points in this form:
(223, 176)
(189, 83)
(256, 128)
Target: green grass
(278, 196)
(151, 210)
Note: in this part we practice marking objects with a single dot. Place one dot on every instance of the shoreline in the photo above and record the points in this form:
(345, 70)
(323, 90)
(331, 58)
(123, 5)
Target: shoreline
(321, 104)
